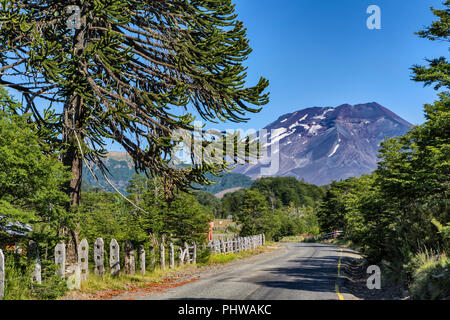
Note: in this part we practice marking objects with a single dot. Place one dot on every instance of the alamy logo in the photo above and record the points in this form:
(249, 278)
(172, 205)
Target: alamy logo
(374, 21)
(374, 281)
(73, 22)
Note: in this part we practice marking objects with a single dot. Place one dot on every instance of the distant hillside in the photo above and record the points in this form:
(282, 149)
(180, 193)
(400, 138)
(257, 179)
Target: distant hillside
(121, 169)
(227, 181)
(221, 194)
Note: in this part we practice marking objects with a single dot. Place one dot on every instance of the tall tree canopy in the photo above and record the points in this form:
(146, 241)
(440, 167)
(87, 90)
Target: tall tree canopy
(122, 72)
(127, 70)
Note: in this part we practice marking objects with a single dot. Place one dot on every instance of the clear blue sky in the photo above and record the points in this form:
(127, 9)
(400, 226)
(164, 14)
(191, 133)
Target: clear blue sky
(321, 53)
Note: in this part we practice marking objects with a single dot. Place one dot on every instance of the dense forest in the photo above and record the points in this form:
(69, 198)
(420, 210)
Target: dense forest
(262, 208)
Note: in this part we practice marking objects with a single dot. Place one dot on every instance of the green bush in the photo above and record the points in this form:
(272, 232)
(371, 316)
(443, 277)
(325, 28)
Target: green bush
(53, 286)
(203, 255)
(17, 277)
(18, 284)
(430, 276)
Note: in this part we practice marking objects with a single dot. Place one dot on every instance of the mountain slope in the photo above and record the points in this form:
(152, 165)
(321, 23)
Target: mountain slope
(121, 170)
(324, 144)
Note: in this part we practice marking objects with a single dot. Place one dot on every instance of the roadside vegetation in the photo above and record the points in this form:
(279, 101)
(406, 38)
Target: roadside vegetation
(277, 207)
(399, 216)
(35, 210)
(156, 278)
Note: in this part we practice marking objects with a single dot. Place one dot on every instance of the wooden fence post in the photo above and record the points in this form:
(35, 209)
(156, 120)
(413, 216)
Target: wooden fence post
(222, 246)
(163, 256)
(114, 258)
(194, 255)
(187, 255)
(33, 255)
(142, 259)
(152, 253)
(83, 259)
(180, 256)
(60, 259)
(130, 266)
(73, 273)
(99, 257)
(2, 275)
(37, 272)
(171, 256)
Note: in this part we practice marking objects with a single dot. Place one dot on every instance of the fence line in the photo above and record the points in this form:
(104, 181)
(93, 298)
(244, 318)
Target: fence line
(236, 244)
(332, 235)
(77, 273)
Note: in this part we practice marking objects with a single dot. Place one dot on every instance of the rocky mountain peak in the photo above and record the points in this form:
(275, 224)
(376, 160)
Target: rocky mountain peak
(321, 144)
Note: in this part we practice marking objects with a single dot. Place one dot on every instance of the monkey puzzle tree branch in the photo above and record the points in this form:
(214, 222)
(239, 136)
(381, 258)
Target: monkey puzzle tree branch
(129, 64)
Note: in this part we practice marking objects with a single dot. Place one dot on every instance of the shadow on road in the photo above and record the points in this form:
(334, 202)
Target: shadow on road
(316, 275)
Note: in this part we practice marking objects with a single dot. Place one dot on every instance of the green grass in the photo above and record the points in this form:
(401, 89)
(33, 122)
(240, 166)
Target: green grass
(18, 284)
(347, 243)
(292, 239)
(223, 258)
(124, 282)
(427, 275)
(430, 275)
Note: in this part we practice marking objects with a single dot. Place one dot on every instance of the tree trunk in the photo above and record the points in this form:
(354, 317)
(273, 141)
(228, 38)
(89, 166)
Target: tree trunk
(73, 160)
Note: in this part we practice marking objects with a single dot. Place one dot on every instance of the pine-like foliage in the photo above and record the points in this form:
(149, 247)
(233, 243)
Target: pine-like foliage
(128, 73)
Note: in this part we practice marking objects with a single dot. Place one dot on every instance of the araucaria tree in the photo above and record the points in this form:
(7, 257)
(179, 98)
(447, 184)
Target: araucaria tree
(126, 70)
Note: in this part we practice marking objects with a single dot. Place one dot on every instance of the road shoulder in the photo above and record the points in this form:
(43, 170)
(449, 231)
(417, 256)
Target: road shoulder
(176, 278)
(354, 276)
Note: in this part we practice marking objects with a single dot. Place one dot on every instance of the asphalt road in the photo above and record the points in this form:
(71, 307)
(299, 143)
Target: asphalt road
(296, 271)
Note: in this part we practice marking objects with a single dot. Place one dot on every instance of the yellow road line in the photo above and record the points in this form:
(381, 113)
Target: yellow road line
(336, 287)
(250, 293)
